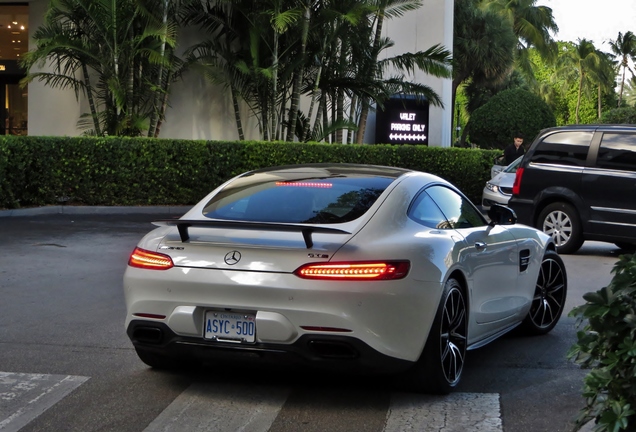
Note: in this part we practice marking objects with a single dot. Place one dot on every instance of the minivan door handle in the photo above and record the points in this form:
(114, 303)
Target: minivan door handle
(480, 246)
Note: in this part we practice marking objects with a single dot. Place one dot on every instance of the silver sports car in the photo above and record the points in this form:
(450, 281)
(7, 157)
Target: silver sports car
(354, 267)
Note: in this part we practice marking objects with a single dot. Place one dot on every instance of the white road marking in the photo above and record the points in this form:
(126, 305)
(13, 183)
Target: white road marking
(457, 412)
(222, 407)
(23, 396)
(232, 408)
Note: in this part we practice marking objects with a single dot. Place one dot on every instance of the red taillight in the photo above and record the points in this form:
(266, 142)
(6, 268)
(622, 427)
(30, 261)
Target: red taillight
(144, 259)
(355, 271)
(305, 184)
(516, 187)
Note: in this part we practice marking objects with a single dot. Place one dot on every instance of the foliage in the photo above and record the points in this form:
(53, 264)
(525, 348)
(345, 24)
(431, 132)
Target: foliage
(510, 111)
(624, 115)
(269, 53)
(142, 171)
(624, 47)
(119, 54)
(607, 345)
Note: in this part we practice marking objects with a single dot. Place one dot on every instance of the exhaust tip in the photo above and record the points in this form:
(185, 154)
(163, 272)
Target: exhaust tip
(148, 335)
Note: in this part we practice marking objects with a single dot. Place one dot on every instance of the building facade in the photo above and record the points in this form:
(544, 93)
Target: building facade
(199, 110)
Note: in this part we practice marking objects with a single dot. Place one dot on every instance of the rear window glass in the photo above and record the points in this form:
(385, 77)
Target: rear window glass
(563, 148)
(266, 198)
(617, 151)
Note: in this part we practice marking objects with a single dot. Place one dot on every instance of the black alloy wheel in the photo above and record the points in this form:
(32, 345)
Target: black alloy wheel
(440, 366)
(549, 295)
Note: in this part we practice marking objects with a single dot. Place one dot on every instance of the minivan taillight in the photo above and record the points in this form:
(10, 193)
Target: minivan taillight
(516, 187)
(354, 271)
(145, 259)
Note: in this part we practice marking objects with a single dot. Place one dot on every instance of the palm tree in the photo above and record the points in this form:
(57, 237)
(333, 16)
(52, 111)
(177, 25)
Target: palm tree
(531, 24)
(433, 61)
(577, 64)
(105, 49)
(624, 47)
(603, 74)
(483, 49)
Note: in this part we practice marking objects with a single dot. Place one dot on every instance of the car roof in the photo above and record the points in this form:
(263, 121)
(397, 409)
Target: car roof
(612, 127)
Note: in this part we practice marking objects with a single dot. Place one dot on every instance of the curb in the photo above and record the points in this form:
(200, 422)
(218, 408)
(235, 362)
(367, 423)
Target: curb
(93, 210)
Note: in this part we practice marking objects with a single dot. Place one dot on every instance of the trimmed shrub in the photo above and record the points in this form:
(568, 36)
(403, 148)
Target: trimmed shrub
(493, 125)
(37, 171)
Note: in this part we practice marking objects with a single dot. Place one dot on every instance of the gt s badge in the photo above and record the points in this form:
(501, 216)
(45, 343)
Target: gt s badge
(313, 255)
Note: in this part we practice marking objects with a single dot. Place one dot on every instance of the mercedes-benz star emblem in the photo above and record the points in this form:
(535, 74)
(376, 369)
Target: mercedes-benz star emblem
(232, 258)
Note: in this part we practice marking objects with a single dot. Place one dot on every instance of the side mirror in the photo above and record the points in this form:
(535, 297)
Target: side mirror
(501, 215)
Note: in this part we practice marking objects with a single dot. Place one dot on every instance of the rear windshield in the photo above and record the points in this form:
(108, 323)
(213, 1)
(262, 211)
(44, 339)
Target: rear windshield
(264, 198)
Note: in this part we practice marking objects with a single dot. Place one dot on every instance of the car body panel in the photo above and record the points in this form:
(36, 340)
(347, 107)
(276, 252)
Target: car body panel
(498, 189)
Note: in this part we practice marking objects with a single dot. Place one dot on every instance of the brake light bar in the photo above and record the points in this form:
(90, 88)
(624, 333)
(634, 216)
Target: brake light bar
(145, 259)
(354, 271)
(321, 185)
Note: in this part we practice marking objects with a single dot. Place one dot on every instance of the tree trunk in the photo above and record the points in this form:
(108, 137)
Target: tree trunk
(159, 84)
(91, 101)
(298, 76)
(362, 125)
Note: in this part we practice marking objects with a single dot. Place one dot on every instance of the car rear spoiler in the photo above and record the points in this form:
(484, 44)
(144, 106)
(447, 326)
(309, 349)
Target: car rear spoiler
(183, 225)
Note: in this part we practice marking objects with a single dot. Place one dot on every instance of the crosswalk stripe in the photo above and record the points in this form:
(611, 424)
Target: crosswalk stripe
(457, 412)
(24, 396)
(245, 408)
(222, 407)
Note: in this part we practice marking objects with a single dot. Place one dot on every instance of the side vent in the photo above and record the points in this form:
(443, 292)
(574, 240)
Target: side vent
(524, 260)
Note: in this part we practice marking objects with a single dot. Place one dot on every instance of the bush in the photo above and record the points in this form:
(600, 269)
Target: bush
(494, 124)
(607, 345)
(37, 171)
(624, 115)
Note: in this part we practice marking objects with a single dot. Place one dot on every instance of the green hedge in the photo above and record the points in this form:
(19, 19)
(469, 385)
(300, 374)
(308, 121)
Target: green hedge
(39, 171)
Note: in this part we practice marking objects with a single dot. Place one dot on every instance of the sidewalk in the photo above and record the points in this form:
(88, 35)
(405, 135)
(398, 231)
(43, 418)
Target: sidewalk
(74, 210)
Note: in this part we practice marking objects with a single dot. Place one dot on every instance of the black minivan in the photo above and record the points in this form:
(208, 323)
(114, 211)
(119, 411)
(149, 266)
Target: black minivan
(578, 183)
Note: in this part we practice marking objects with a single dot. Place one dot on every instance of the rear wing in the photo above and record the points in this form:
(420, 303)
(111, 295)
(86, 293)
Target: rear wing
(307, 231)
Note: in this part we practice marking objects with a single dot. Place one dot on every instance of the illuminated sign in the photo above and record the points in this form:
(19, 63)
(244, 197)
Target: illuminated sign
(3, 67)
(402, 121)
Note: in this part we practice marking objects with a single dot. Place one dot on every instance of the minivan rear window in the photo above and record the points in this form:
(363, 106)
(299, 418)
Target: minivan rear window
(563, 148)
(328, 200)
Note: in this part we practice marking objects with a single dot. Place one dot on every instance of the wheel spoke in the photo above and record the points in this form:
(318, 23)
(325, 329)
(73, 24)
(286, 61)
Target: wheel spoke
(549, 295)
(453, 335)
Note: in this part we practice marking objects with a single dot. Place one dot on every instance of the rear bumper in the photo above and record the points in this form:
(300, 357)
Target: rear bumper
(341, 353)
(524, 210)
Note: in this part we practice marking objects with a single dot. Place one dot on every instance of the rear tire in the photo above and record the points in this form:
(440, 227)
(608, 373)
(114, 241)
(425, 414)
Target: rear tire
(441, 363)
(549, 296)
(561, 222)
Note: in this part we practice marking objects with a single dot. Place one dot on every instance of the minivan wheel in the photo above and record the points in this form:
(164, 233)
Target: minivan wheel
(561, 222)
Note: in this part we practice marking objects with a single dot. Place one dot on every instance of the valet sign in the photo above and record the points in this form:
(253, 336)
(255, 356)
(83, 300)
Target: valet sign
(402, 121)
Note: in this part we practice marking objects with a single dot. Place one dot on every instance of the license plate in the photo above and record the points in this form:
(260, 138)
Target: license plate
(230, 326)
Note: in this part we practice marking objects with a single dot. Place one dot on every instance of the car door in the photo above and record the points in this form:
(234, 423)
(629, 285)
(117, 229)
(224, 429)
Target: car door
(488, 255)
(609, 186)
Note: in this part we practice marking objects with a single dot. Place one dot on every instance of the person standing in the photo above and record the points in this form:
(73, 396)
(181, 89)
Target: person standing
(514, 150)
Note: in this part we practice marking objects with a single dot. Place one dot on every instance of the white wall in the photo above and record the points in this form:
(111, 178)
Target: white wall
(418, 31)
(201, 111)
(51, 111)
